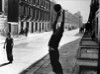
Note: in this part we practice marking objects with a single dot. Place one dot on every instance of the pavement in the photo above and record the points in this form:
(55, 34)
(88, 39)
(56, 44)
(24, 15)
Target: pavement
(29, 50)
(67, 59)
(87, 58)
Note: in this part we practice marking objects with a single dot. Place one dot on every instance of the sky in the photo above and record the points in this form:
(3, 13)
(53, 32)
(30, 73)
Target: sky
(74, 6)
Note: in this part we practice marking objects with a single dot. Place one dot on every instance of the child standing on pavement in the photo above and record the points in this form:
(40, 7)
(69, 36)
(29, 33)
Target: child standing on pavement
(9, 46)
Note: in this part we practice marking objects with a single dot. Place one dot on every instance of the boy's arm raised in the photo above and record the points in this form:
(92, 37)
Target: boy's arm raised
(63, 20)
(55, 22)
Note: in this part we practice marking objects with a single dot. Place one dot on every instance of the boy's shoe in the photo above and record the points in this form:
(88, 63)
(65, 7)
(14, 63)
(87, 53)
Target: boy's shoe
(10, 61)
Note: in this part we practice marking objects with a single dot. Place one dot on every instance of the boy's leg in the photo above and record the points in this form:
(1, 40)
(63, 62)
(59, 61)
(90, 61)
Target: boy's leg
(54, 58)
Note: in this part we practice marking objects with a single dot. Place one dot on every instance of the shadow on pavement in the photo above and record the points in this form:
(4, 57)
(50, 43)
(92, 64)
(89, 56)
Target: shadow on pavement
(4, 64)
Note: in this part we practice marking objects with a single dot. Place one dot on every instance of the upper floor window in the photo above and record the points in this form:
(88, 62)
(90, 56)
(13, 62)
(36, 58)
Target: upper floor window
(29, 11)
(24, 10)
(37, 2)
(42, 2)
(34, 1)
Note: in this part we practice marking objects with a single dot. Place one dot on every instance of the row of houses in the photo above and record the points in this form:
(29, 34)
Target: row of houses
(35, 15)
(73, 20)
(31, 14)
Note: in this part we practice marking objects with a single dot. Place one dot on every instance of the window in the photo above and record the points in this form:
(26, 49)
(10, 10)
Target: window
(40, 15)
(24, 10)
(37, 2)
(49, 5)
(29, 11)
(34, 1)
(42, 2)
(37, 14)
(21, 10)
(33, 13)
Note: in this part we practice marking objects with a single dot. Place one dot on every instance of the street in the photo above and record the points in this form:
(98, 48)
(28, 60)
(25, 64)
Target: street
(31, 22)
(30, 49)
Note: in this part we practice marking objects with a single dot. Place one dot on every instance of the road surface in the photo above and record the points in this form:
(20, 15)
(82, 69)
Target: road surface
(29, 50)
